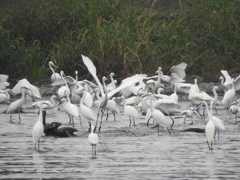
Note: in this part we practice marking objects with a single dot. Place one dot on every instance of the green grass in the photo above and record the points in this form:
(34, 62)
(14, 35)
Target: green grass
(120, 37)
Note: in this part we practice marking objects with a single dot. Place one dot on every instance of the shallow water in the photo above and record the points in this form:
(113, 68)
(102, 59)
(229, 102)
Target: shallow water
(123, 152)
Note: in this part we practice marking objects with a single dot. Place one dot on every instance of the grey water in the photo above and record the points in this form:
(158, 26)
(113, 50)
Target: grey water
(123, 152)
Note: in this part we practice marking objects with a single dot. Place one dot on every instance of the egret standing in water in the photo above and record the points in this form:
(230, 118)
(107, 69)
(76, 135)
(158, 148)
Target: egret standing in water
(38, 128)
(210, 127)
(93, 140)
(17, 105)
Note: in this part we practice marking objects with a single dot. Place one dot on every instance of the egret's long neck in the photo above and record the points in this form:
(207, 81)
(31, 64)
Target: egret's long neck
(208, 112)
(151, 102)
(66, 85)
(215, 94)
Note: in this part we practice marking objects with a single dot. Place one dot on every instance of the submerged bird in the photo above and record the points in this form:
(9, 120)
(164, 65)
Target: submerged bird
(55, 129)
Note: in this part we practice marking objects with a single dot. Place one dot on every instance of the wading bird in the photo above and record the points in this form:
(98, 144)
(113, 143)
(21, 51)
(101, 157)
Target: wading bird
(17, 105)
(38, 128)
(93, 140)
(210, 127)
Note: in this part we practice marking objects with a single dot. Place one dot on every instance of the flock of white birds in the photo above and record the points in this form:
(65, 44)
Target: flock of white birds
(137, 94)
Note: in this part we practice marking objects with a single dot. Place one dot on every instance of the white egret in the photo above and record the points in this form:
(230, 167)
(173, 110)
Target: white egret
(55, 76)
(93, 140)
(87, 112)
(32, 91)
(188, 114)
(112, 106)
(5, 96)
(17, 105)
(47, 104)
(70, 109)
(226, 80)
(38, 128)
(3, 81)
(168, 107)
(158, 116)
(210, 127)
(64, 91)
(112, 85)
(131, 112)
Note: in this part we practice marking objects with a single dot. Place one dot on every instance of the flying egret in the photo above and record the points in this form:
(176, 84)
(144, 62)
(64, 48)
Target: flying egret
(226, 80)
(31, 91)
(47, 104)
(93, 140)
(210, 127)
(55, 76)
(17, 105)
(38, 128)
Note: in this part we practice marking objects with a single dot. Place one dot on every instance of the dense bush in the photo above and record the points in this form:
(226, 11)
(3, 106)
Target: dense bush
(125, 37)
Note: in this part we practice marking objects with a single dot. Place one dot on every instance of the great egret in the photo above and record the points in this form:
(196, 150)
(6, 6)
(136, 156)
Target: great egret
(32, 91)
(5, 96)
(131, 112)
(112, 85)
(112, 106)
(210, 127)
(93, 140)
(38, 128)
(47, 104)
(87, 112)
(17, 105)
(234, 109)
(55, 76)
(168, 107)
(70, 109)
(3, 81)
(188, 114)
(226, 80)
(158, 116)
(64, 91)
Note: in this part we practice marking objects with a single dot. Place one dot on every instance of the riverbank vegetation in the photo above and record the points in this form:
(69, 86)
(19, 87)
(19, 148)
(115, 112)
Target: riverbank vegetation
(120, 36)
